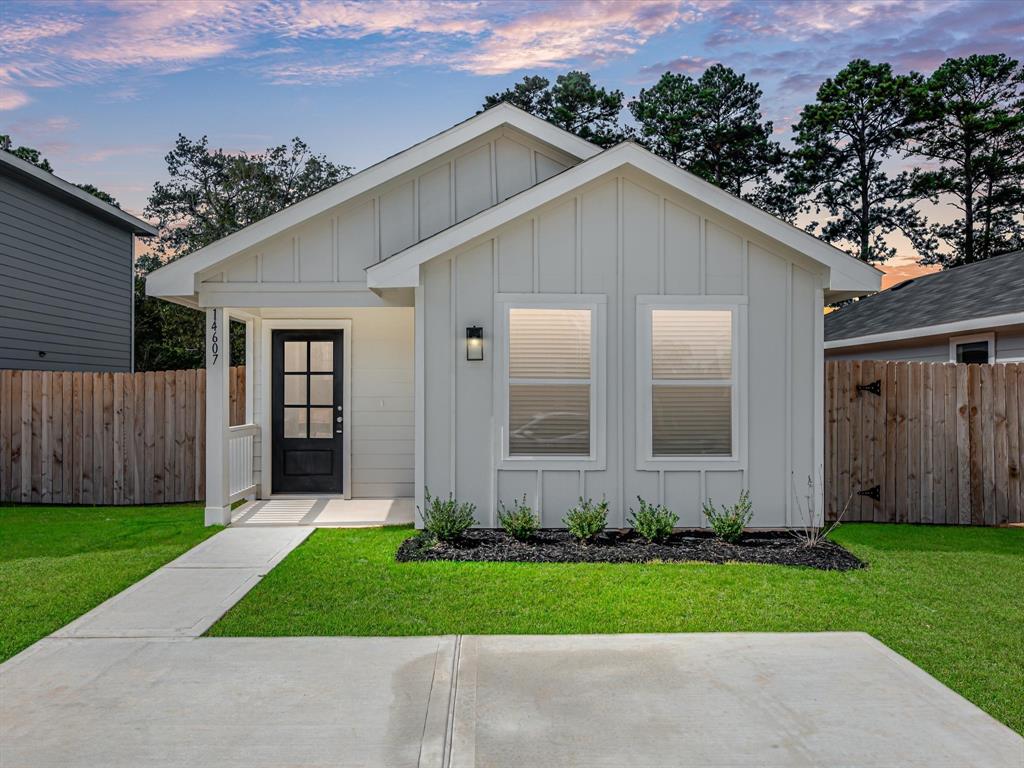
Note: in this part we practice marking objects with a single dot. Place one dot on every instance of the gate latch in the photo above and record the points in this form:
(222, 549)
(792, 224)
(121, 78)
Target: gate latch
(875, 387)
(874, 492)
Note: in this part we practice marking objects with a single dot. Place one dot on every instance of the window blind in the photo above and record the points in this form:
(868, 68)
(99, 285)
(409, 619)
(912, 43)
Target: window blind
(549, 382)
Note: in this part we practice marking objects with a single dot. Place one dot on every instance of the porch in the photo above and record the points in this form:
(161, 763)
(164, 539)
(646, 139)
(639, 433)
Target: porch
(324, 512)
(327, 433)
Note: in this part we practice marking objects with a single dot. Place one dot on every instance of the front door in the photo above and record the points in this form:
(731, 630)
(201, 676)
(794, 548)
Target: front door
(307, 418)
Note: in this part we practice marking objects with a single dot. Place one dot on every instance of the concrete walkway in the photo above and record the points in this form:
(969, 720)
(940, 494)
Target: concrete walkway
(186, 596)
(793, 700)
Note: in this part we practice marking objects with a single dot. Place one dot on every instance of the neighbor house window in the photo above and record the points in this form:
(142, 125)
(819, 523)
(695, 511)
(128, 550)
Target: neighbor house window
(687, 382)
(551, 381)
(979, 348)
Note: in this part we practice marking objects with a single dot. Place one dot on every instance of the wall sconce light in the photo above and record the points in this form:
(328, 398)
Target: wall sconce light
(474, 343)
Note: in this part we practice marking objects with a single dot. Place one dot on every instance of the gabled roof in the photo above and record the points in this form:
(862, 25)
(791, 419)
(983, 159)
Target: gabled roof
(979, 295)
(69, 193)
(178, 277)
(847, 274)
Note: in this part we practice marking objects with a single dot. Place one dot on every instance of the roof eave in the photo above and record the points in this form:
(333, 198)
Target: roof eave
(173, 276)
(78, 197)
(846, 274)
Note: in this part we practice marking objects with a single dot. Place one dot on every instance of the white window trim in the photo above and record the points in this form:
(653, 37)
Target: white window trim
(645, 459)
(597, 304)
(990, 337)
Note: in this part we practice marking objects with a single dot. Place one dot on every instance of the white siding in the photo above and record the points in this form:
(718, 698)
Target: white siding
(622, 237)
(381, 418)
(333, 249)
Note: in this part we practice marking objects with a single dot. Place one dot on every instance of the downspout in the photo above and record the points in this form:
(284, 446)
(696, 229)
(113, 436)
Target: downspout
(131, 299)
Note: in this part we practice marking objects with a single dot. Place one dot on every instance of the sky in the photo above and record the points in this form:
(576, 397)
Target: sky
(103, 88)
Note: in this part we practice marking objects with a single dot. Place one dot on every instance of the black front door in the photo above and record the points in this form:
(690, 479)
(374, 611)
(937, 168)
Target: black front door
(307, 413)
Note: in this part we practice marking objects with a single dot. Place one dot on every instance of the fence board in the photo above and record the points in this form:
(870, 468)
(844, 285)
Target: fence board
(106, 438)
(943, 442)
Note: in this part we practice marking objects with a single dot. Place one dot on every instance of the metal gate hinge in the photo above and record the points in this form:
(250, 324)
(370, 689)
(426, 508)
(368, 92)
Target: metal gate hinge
(874, 492)
(875, 387)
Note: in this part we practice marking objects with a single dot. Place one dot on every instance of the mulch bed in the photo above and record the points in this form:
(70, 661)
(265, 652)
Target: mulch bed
(557, 546)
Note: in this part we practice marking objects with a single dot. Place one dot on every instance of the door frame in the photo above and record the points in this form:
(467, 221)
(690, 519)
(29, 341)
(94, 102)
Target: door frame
(266, 398)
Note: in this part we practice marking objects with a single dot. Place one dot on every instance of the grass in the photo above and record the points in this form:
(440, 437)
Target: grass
(56, 563)
(951, 600)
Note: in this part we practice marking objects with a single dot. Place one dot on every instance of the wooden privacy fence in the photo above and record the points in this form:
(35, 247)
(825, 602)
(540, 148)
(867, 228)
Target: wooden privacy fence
(924, 442)
(106, 438)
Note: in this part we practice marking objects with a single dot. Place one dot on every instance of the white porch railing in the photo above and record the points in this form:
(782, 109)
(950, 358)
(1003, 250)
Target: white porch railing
(240, 467)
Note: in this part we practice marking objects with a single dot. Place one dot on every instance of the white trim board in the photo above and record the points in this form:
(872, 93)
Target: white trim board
(845, 272)
(941, 329)
(266, 424)
(179, 277)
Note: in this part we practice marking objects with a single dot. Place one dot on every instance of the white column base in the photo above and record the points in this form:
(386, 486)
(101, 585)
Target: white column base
(217, 516)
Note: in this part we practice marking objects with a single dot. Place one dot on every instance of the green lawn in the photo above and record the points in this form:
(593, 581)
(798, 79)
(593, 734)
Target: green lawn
(56, 563)
(951, 600)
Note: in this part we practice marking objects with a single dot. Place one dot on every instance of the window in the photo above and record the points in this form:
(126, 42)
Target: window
(551, 378)
(979, 348)
(688, 404)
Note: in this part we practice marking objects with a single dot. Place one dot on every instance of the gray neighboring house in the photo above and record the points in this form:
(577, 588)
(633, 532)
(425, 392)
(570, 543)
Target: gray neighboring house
(969, 314)
(66, 274)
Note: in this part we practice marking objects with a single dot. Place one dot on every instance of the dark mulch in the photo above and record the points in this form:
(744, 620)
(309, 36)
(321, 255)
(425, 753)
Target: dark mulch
(557, 546)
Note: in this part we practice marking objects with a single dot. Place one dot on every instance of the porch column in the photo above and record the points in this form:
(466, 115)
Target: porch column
(218, 362)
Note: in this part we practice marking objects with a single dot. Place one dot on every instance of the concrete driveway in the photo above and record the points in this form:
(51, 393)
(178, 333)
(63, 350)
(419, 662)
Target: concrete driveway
(833, 699)
(133, 683)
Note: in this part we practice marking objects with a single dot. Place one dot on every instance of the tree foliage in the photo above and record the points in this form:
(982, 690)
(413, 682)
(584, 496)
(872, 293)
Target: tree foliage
(209, 194)
(969, 127)
(28, 154)
(713, 127)
(574, 103)
(859, 119)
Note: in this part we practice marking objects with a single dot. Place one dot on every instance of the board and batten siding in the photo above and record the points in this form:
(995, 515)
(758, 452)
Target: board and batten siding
(65, 285)
(623, 236)
(333, 249)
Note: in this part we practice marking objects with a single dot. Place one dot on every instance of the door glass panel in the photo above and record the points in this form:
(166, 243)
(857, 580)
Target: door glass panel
(321, 390)
(295, 389)
(321, 356)
(295, 422)
(320, 425)
(295, 355)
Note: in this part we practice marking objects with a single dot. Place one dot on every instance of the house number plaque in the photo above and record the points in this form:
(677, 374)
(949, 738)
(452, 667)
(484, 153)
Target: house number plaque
(214, 340)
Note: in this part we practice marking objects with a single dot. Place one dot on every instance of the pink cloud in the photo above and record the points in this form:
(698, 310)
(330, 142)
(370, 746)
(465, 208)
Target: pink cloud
(594, 32)
(689, 65)
(12, 99)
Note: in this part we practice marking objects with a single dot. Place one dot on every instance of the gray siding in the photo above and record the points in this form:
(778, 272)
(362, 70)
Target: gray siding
(65, 285)
(934, 349)
(622, 238)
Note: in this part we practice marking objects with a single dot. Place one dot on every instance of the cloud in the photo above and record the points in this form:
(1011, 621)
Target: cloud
(593, 32)
(688, 65)
(12, 99)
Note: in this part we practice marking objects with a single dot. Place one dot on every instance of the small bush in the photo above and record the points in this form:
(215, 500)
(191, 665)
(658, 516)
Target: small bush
(728, 524)
(653, 522)
(519, 522)
(446, 519)
(587, 519)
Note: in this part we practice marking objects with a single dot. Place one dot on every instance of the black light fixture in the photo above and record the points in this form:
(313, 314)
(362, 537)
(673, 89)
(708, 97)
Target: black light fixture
(474, 343)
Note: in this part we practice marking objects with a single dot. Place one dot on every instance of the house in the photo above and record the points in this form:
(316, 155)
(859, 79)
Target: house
(66, 274)
(504, 310)
(969, 314)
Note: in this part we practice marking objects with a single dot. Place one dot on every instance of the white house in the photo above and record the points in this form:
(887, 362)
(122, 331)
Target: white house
(506, 309)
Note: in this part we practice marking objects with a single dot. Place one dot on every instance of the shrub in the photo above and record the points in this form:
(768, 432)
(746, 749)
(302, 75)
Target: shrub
(728, 524)
(518, 522)
(653, 522)
(587, 519)
(446, 519)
